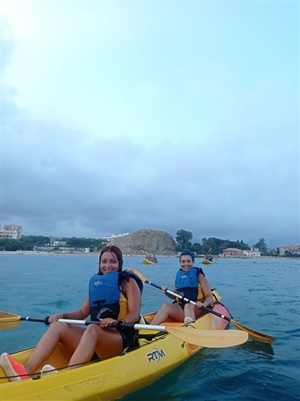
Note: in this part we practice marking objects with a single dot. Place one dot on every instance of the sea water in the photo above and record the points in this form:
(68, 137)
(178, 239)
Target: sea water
(262, 294)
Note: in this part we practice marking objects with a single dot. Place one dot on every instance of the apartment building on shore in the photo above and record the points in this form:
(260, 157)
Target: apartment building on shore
(291, 249)
(239, 253)
(12, 231)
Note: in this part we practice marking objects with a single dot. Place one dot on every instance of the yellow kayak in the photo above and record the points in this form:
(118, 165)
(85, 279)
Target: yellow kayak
(206, 261)
(147, 262)
(158, 353)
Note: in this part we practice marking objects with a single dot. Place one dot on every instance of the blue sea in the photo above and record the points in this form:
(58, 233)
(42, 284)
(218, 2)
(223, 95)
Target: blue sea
(262, 294)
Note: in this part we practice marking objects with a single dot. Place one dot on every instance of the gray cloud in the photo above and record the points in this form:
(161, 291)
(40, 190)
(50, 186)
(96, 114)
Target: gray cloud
(57, 181)
(239, 181)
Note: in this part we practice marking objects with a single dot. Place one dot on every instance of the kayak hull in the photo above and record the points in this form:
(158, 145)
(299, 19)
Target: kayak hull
(147, 262)
(111, 378)
(206, 262)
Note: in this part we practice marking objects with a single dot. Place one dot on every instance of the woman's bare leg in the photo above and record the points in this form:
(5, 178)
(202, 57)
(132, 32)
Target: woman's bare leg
(172, 311)
(68, 335)
(104, 341)
(189, 311)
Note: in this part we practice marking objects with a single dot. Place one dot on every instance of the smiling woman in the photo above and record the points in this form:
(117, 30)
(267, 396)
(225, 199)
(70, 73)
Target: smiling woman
(114, 296)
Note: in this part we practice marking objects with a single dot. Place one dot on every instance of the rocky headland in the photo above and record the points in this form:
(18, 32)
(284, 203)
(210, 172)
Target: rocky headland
(152, 241)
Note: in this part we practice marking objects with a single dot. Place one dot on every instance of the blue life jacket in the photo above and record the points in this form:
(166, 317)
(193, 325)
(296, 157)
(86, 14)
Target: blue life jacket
(187, 284)
(106, 298)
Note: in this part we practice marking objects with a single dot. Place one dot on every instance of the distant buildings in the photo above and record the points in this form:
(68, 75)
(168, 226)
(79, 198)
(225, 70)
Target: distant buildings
(291, 249)
(12, 231)
(54, 241)
(286, 250)
(110, 237)
(239, 253)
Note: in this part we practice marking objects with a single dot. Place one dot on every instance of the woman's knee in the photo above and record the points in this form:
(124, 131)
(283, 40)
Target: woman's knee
(92, 330)
(64, 331)
(58, 327)
(165, 308)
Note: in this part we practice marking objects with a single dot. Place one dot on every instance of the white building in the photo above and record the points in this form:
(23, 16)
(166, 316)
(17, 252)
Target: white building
(12, 231)
(252, 253)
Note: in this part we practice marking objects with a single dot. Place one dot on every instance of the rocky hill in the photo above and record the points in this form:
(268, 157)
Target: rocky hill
(152, 241)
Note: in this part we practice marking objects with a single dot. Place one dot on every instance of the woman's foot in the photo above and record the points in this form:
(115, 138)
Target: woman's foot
(48, 370)
(188, 320)
(14, 370)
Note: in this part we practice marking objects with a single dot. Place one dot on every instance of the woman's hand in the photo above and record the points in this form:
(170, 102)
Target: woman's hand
(107, 322)
(54, 318)
(164, 289)
(199, 305)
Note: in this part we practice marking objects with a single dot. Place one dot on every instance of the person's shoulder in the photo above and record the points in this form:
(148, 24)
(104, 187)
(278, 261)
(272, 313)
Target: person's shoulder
(128, 276)
(199, 271)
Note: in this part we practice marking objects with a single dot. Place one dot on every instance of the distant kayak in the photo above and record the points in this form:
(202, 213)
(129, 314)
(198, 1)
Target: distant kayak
(206, 261)
(148, 262)
(149, 259)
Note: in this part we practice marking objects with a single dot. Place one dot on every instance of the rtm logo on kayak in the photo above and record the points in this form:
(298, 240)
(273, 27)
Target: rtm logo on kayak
(155, 355)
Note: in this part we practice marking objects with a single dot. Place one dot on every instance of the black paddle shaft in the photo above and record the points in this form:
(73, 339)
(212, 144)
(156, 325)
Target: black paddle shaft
(31, 319)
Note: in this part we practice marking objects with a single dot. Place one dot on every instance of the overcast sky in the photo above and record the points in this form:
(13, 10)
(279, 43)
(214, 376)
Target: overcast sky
(167, 115)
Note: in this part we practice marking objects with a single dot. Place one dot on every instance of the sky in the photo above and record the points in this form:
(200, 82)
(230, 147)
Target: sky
(166, 115)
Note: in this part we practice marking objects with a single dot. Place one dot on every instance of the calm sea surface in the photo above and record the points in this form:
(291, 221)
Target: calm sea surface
(261, 294)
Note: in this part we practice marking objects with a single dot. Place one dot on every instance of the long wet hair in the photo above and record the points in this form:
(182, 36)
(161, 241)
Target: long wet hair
(117, 251)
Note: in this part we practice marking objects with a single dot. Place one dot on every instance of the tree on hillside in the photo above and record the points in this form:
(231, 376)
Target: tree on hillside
(26, 243)
(261, 245)
(216, 245)
(183, 239)
(197, 248)
(212, 245)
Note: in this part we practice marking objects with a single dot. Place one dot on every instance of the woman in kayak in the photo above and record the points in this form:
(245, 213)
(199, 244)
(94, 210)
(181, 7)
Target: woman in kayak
(191, 283)
(114, 296)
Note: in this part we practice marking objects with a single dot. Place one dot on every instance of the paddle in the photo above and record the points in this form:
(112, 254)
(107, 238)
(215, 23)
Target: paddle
(255, 335)
(202, 338)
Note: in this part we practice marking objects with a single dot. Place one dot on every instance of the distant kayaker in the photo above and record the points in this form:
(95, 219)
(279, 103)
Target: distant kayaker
(114, 296)
(208, 257)
(191, 283)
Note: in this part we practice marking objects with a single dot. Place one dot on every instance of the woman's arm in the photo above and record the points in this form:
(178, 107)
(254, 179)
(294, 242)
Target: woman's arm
(209, 298)
(79, 314)
(134, 300)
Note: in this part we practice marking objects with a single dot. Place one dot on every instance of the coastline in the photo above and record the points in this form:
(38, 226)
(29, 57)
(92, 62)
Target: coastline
(62, 253)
